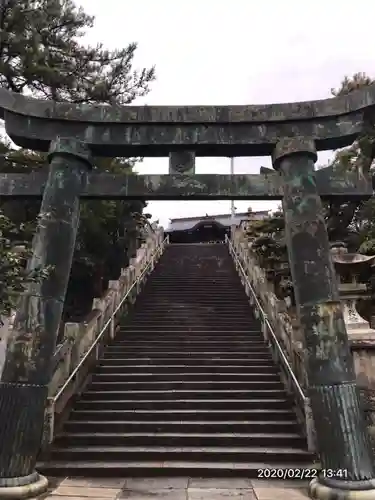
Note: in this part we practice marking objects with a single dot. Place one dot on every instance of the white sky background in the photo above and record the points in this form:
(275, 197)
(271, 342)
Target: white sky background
(236, 52)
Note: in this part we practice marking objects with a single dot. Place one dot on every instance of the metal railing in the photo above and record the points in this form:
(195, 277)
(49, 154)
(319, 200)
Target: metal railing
(94, 348)
(269, 333)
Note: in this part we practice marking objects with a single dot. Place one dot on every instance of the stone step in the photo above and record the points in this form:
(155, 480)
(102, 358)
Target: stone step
(189, 360)
(187, 343)
(246, 336)
(255, 341)
(254, 415)
(228, 290)
(196, 336)
(197, 321)
(175, 276)
(159, 371)
(236, 294)
(167, 272)
(183, 338)
(186, 308)
(98, 384)
(252, 330)
(154, 340)
(179, 320)
(183, 403)
(118, 377)
(196, 290)
(194, 296)
(183, 325)
(193, 293)
(169, 439)
(186, 347)
(218, 354)
(153, 301)
(185, 315)
(198, 281)
(181, 394)
(199, 276)
(160, 454)
(124, 337)
(195, 279)
(189, 306)
(192, 302)
(166, 468)
(168, 268)
(182, 426)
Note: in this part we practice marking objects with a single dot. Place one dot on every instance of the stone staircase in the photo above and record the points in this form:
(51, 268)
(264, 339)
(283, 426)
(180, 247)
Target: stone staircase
(187, 387)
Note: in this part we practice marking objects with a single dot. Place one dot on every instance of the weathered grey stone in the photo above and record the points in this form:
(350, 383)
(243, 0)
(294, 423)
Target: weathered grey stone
(207, 130)
(181, 162)
(211, 139)
(256, 113)
(342, 438)
(330, 183)
(29, 358)
(287, 146)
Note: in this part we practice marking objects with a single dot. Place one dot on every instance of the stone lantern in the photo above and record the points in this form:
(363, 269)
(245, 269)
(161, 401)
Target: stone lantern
(349, 266)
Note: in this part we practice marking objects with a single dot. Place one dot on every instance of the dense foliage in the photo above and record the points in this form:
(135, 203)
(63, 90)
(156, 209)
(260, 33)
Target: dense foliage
(42, 54)
(14, 253)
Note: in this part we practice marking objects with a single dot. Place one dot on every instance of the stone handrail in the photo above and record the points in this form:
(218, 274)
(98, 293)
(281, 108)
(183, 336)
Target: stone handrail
(282, 327)
(75, 356)
(287, 327)
(288, 332)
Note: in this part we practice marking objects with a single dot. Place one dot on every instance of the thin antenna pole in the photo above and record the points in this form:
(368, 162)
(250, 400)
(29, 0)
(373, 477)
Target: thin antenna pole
(233, 208)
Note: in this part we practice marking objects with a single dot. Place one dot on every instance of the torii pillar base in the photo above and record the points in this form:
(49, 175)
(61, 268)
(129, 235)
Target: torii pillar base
(32, 488)
(345, 490)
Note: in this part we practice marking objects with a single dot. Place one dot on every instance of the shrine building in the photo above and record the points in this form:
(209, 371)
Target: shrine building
(209, 227)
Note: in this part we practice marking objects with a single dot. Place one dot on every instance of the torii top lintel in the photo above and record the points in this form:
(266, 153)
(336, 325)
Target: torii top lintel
(248, 130)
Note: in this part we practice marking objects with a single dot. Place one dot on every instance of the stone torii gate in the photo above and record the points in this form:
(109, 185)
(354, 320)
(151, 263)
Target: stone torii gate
(291, 133)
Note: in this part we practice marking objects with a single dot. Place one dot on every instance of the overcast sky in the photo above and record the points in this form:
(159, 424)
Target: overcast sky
(237, 52)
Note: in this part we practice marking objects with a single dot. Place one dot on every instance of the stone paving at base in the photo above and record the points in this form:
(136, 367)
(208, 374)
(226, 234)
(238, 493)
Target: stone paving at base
(174, 488)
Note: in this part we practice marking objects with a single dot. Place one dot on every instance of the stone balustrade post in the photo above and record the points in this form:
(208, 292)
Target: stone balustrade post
(72, 334)
(115, 286)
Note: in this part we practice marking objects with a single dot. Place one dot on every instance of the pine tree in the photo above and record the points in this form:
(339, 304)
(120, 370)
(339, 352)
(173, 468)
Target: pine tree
(42, 55)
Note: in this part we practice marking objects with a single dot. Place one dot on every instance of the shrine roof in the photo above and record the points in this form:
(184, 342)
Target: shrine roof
(226, 220)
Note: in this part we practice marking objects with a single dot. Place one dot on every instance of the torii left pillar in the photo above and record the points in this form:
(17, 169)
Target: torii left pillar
(28, 362)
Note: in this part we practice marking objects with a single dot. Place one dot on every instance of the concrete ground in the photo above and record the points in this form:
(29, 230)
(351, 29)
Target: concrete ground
(175, 488)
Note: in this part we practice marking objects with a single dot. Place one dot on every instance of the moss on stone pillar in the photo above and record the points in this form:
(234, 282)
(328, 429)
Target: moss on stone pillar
(31, 344)
(342, 439)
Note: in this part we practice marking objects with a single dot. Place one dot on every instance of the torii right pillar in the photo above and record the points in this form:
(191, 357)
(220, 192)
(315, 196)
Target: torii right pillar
(343, 442)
